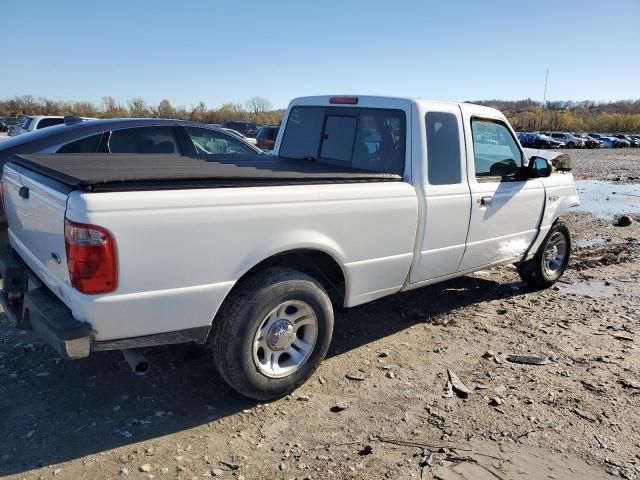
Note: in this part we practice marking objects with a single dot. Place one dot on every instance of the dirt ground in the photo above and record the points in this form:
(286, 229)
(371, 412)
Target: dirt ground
(379, 406)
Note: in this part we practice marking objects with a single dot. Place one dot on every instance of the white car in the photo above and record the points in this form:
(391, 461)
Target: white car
(31, 123)
(569, 140)
(364, 197)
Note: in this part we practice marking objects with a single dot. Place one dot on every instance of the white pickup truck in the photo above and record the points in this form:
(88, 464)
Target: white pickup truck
(364, 197)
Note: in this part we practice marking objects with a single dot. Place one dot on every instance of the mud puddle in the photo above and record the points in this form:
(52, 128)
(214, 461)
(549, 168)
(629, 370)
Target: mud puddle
(606, 200)
(590, 242)
(504, 461)
(592, 289)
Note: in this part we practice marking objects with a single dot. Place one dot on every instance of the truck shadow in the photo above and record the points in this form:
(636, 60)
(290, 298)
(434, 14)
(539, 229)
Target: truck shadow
(53, 411)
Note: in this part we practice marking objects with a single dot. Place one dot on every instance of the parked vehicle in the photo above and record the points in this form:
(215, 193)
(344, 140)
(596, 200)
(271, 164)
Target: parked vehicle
(29, 124)
(3, 126)
(537, 140)
(363, 197)
(266, 138)
(629, 139)
(235, 133)
(589, 142)
(127, 135)
(568, 140)
(608, 141)
(248, 129)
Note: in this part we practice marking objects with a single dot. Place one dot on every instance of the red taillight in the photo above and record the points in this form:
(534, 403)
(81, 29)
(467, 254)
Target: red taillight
(344, 100)
(269, 142)
(91, 257)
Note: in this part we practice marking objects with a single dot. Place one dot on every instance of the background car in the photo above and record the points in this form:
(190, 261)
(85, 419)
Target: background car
(537, 140)
(266, 138)
(235, 133)
(38, 122)
(248, 129)
(608, 141)
(568, 139)
(589, 142)
(628, 138)
(127, 135)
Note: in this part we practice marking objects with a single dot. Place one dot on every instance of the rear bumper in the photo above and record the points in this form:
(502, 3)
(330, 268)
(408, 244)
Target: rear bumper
(31, 306)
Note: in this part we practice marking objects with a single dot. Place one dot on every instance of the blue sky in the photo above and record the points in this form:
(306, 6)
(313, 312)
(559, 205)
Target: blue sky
(218, 51)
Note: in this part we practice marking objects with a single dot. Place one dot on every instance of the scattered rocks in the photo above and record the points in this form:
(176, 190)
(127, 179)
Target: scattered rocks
(496, 402)
(303, 398)
(627, 383)
(145, 468)
(390, 374)
(623, 221)
(384, 353)
(586, 415)
(339, 407)
(367, 450)
(488, 354)
(458, 387)
(217, 472)
(528, 359)
(356, 377)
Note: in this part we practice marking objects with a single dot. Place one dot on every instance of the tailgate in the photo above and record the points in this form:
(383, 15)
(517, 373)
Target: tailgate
(35, 207)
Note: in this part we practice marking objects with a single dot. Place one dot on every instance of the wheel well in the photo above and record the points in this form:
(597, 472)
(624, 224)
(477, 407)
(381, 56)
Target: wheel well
(315, 263)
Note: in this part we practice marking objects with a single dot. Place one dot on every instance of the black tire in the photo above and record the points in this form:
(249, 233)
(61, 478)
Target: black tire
(241, 315)
(533, 271)
(571, 145)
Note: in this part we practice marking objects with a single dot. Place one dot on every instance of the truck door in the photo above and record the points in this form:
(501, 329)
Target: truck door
(505, 210)
(443, 186)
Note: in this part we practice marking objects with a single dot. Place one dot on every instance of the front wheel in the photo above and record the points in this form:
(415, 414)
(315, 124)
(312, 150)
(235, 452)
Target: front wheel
(272, 332)
(551, 259)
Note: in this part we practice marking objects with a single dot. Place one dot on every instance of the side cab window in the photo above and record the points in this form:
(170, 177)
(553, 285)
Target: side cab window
(496, 153)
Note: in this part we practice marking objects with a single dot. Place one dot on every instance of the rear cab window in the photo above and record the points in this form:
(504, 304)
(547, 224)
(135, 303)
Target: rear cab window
(364, 138)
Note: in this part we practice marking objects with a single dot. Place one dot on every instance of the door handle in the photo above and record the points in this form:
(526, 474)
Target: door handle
(486, 201)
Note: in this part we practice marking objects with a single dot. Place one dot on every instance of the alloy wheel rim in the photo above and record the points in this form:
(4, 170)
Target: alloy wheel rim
(285, 339)
(555, 254)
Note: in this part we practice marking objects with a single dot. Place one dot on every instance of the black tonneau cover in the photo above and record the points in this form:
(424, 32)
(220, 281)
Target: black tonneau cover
(117, 172)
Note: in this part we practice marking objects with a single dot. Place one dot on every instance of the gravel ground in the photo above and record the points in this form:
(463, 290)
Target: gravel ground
(619, 164)
(574, 416)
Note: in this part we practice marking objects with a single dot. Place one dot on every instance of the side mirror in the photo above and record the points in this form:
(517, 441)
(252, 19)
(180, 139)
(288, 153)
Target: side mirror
(539, 167)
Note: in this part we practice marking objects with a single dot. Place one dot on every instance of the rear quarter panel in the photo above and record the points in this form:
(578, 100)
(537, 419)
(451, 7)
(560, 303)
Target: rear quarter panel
(181, 251)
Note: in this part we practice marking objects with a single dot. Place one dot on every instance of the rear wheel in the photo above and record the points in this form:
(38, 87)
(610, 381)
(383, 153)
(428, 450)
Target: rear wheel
(571, 145)
(272, 333)
(551, 259)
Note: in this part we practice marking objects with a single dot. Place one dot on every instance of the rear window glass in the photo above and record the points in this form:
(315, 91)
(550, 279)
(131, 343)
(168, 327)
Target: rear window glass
(49, 122)
(363, 138)
(84, 145)
(144, 140)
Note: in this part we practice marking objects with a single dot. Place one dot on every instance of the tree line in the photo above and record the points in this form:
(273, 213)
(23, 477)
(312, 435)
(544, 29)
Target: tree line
(256, 109)
(526, 115)
(584, 116)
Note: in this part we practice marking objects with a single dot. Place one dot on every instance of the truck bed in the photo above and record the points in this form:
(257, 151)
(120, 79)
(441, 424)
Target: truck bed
(119, 172)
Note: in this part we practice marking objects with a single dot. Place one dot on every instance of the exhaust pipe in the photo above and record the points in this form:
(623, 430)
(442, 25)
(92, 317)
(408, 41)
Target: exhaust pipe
(139, 365)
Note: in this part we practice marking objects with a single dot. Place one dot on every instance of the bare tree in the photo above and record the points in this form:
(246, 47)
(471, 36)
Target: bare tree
(112, 108)
(138, 108)
(258, 105)
(165, 109)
